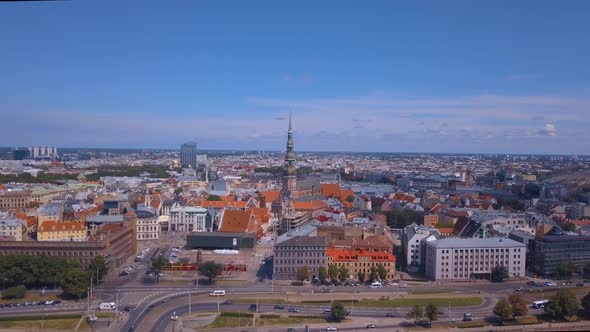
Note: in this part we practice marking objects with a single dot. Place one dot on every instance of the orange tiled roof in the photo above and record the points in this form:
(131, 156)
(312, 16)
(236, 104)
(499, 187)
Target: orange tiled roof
(349, 255)
(62, 226)
(331, 189)
(446, 230)
(310, 206)
(270, 196)
(237, 221)
(261, 214)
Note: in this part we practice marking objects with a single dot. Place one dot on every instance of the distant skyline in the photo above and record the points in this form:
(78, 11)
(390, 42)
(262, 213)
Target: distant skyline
(383, 76)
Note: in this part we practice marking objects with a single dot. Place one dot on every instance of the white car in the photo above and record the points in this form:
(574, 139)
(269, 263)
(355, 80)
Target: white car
(331, 328)
(403, 286)
(394, 284)
(92, 318)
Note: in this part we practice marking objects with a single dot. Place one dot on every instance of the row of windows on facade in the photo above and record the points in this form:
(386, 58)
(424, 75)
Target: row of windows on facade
(352, 264)
(447, 251)
(292, 269)
(515, 267)
(481, 256)
(464, 276)
(299, 261)
(148, 229)
(301, 254)
(147, 236)
(301, 248)
(49, 253)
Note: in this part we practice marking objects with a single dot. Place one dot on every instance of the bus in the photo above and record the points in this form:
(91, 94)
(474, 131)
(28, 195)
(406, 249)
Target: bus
(107, 306)
(540, 304)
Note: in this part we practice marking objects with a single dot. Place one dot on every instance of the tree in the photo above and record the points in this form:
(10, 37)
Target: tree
(213, 198)
(17, 292)
(382, 272)
(565, 270)
(431, 312)
(322, 273)
(373, 273)
(211, 270)
(499, 273)
(302, 273)
(98, 264)
(157, 266)
(503, 309)
(586, 302)
(562, 304)
(338, 312)
(518, 305)
(568, 227)
(177, 191)
(74, 283)
(403, 218)
(416, 312)
(343, 273)
(587, 270)
(361, 276)
(333, 271)
(350, 198)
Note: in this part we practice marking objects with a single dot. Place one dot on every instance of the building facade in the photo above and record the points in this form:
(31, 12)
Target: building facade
(188, 155)
(62, 231)
(414, 238)
(361, 261)
(43, 152)
(147, 227)
(11, 227)
(13, 200)
(297, 252)
(464, 259)
(189, 219)
(548, 252)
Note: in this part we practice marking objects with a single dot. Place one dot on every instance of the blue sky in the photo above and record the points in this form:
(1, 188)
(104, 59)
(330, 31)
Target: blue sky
(458, 76)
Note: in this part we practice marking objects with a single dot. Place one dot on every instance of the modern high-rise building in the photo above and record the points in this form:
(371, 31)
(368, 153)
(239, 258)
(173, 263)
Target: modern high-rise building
(188, 155)
(43, 152)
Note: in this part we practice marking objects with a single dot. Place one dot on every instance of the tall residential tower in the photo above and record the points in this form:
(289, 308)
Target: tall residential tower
(188, 155)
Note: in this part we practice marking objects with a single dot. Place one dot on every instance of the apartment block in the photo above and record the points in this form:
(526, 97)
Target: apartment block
(296, 252)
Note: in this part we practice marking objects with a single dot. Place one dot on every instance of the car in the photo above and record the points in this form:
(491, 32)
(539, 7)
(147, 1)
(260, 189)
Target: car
(279, 306)
(128, 308)
(174, 316)
(331, 328)
(394, 284)
(56, 302)
(550, 283)
(293, 310)
(467, 317)
(252, 307)
(403, 286)
(92, 318)
(150, 307)
(327, 310)
(580, 284)
(227, 302)
(131, 328)
(530, 283)
(49, 302)
(371, 326)
(392, 314)
(563, 284)
(165, 300)
(519, 289)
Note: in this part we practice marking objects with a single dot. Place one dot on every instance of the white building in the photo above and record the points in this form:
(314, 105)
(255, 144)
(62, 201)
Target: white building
(43, 152)
(12, 227)
(414, 239)
(463, 259)
(189, 219)
(147, 226)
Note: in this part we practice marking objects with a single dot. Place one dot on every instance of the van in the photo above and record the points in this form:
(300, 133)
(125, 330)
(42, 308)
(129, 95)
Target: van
(376, 284)
(217, 292)
(107, 306)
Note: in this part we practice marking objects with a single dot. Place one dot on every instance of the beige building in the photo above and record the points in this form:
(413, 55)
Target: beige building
(297, 252)
(14, 200)
(12, 227)
(51, 212)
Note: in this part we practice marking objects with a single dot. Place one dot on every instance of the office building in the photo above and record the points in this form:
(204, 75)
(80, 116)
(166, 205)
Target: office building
(189, 219)
(463, 259)
(188, 155)
(297, 252)
(548, 252)
(361, 261)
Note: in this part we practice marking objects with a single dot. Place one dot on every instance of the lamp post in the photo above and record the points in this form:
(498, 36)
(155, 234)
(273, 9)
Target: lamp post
(189, 303)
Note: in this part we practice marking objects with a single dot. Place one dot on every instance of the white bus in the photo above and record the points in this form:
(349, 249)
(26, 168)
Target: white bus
(218, 292)
(540, 304)
(107, 306)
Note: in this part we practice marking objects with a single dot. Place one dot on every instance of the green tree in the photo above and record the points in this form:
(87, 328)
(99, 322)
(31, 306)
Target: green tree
(586, 303)
(361, 276)
(502, 309)
(350, 198)
(431, 312)
(211, 270)
(302, 273)
(213, 198)
(333, 271)
(338, 312)
(322, 273)
(381, 271)
(563, 304)
(98, 264)
(416, 313)
(16, 292)
(568, 227)
(499, 273)
(565, 270)
(157, 265)
(74, 283)
(343, 273)
(403, 218)
(177, 191)
(518, 305)
(373, 273)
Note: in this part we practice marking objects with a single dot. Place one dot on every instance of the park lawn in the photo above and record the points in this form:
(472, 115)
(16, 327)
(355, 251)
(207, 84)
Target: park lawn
(225, 321)
(32, 297)
(106, 315)
(55, 324)
(288, 321)
(475, 323)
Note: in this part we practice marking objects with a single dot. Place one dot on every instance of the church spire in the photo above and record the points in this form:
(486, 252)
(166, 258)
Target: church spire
(289, 181)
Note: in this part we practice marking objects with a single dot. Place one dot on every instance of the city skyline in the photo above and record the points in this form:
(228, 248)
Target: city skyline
(380, 78)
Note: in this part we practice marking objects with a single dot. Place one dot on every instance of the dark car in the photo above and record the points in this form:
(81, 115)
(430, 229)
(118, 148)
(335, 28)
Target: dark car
(252, 307)
(123, 273)
(580, 284)
(150, 307)
(227, 302)
(392, 314)
(279, 306)
(128, 308)
(131, 328)
(293, 310)
(56, 302)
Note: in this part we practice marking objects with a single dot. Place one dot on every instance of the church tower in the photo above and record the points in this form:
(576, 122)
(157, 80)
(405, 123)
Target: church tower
(290, 178)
